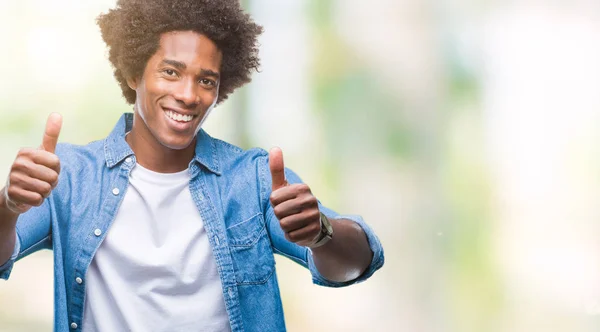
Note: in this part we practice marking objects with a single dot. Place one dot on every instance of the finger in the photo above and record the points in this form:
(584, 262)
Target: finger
(294, 206)
(46, 159)
(282, 194)
(293, 223)
(53, 126)
(300, 220)
(305, 235)
(38, 171)
(289, 192)
(19, 196)
(277, 168)
(39, 157)
(31, 184)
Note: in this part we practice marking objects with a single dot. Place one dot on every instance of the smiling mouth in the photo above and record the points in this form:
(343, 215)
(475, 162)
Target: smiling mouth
(178, 116)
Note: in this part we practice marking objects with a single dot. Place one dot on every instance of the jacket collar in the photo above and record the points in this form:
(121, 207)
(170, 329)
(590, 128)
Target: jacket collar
(116, 149)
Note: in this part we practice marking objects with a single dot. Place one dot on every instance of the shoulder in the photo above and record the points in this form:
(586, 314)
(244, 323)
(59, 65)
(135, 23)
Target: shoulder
(234, 160)
(81, 168)
(243, 173)
(233, 156)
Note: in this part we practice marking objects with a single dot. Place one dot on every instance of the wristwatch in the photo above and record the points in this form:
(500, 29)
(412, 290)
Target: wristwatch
(326, 233)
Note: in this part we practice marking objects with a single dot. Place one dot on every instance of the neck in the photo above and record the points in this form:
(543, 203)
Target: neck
(151, 154)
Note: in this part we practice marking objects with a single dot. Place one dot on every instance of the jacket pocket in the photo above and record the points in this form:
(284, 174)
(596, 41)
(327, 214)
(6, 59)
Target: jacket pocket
(251, 251)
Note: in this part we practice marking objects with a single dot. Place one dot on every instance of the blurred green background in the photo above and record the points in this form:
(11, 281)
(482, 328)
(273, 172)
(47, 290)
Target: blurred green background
(465, 132)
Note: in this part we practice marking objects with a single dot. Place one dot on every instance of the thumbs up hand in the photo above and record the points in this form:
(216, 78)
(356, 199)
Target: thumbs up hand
(34, 172)
(294, 205)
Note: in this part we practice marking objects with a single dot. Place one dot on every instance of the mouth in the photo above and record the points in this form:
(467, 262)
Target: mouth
(178, 116)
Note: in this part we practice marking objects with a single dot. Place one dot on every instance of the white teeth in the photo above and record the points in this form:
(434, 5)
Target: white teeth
(179, 117)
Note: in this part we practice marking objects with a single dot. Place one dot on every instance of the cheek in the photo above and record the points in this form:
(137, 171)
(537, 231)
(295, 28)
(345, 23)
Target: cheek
(146, 101)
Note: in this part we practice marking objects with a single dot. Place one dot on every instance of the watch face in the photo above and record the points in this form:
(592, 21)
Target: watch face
(327, 224)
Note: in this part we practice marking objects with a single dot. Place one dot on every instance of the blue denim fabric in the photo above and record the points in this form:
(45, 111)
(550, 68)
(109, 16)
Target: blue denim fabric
(231, 189)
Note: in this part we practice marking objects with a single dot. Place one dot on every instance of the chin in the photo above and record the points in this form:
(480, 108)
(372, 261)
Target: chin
(178, 143)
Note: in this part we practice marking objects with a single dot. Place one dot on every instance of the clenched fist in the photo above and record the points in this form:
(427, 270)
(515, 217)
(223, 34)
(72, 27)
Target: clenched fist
(294, 205)
(34, 172)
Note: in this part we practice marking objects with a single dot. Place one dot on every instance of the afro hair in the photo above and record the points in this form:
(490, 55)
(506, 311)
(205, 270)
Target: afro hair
(133, 28)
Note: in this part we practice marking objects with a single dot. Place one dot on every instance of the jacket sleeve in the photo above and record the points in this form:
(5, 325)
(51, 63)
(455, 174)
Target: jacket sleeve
(33, 234)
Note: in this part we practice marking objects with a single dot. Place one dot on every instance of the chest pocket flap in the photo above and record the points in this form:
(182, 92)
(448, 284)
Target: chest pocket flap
(253, 259)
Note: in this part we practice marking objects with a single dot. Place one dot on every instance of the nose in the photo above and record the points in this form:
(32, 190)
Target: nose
(186, 93)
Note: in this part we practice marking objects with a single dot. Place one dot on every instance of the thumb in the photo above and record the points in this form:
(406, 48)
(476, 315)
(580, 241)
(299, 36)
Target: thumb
(277, 168)
(51, 133)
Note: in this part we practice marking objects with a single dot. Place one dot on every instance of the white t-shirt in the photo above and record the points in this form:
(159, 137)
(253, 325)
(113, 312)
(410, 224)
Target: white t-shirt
(155, 270)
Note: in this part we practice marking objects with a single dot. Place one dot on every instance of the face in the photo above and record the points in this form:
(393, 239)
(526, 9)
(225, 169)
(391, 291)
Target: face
(178, 88)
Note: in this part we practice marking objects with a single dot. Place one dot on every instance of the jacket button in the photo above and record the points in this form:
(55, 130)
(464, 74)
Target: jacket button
(98, 232)
(74, 326)
(115, 191)
(79, 280)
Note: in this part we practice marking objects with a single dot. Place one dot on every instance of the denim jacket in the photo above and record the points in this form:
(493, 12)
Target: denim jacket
(231, 188)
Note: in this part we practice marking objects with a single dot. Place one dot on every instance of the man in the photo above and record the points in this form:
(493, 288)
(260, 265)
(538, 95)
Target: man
(160, 227)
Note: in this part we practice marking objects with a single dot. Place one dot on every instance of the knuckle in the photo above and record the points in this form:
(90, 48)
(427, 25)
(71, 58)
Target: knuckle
(24, 152)
(304, 188)
(25, 165)
(292, 237)
(284, 224)
(316, 228)
(53, 178)
(314, 214)
(13, 176)
(277, 210)
(14, 179)
(11, 191)
(309, 201)
(287, 237)
(54, 161)
(298, 189)
(38, 200)
(45, 189)
(18, 164)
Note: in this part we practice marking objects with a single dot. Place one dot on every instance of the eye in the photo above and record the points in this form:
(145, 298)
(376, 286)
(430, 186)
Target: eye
(169, 72)
(207, 82)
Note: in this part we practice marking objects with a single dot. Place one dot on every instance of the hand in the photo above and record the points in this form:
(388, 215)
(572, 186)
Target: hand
(294, 205)
(34, 172)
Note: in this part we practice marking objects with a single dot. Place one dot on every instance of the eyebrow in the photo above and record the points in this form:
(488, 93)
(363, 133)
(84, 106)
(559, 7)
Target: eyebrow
(182, 66)
(208, 72)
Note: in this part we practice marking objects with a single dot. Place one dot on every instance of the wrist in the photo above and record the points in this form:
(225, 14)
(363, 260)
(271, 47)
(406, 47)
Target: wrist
(6, 210)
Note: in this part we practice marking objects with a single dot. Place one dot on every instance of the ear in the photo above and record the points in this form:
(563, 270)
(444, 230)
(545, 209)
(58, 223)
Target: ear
(132, 83)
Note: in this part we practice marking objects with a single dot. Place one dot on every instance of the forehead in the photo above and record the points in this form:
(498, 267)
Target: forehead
(191, 48)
